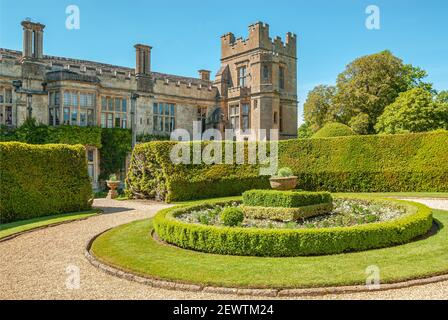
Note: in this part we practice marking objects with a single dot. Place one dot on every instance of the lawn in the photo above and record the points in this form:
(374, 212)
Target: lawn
(130, 248)
(9, 229)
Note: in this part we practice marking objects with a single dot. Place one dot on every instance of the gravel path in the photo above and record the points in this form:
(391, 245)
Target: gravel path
(38, 265)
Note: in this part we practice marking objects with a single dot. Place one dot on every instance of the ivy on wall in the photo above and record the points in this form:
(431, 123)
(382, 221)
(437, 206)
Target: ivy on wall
(114, 143)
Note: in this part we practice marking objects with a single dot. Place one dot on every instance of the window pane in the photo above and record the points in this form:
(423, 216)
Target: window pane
(56, 116)
(103, 103)
(124, 122)
(1, 96)
(245, 122)
(90, 155)
(90, 118)
(67, 98)
(172, 125)
(91, 100)
(74, 116)
(51, 117)
(83, 118)
(154, 122)
(110, 120)
(160, 123)
(167, 124)
(160, 108)
(91, 170)
(66, 119)
(57, 98)
(124, 105)
(8, 116)
(103, 120)
(245, 109)
(155, 108)
(8, 96)
(110, 104)
(74, 101)
(117, 121)
(172, 109)
(117, 104)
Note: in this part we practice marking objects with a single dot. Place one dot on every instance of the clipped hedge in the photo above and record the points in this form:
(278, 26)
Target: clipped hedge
(292, 242)
(286, 214)
(285, 199)
(334, 129)
(40, 180)
(375, 163)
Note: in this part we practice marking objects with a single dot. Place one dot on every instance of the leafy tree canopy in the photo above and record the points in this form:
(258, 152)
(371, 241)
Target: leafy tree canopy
(413, 111)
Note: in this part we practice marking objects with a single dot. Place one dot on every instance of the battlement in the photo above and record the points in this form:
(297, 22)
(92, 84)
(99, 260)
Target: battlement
(258, 39)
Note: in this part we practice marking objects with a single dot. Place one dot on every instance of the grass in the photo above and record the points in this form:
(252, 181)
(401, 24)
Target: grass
(129, 247)
(8, 229)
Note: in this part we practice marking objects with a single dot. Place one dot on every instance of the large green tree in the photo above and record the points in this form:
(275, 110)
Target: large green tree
(413, 111)
(318, 105)
(442, 96)
(371, 83)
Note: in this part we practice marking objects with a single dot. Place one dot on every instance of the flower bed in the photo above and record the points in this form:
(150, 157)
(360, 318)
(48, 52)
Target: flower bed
(414, 221)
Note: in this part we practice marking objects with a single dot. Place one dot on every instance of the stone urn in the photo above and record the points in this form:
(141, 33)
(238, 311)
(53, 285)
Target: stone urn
(113, 186)
(283, 183)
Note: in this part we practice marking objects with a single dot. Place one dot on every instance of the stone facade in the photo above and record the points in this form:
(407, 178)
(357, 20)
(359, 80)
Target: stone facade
(255, 88)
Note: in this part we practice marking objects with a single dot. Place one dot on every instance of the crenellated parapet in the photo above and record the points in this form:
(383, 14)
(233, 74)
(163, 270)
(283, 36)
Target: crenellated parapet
(258, 39)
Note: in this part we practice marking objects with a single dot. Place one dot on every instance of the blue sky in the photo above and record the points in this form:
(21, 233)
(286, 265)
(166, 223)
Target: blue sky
(185, 35)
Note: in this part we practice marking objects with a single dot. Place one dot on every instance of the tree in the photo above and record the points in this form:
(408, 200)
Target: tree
(317, 106)
(442, 96)
(304, 131)
(371, 83)
(413, 111)
(360, 123)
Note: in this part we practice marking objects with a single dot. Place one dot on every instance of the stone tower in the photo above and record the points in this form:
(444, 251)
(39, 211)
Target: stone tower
(258, 81)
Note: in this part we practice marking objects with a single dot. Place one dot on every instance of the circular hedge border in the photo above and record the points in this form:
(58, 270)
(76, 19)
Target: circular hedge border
(289, 243)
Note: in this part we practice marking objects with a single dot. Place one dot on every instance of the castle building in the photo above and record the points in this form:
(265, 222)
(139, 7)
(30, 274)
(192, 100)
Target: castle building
(255, 88)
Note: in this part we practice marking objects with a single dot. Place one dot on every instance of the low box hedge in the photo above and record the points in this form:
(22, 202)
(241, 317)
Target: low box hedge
(292, 242)
(285, 199)
(40, 180)
(374, 163)
(286, 214)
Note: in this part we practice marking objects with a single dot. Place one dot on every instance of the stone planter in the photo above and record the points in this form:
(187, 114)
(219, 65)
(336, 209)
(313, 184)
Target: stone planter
(283, 183)
(113, 186)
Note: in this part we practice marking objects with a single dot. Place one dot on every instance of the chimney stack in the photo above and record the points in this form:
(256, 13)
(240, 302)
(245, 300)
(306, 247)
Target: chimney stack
(204, 75)
(33, 32)
(143, 59)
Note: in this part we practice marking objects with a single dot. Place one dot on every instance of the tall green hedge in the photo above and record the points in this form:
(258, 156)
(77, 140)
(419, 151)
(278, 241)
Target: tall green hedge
(39, 180)
(376, 163)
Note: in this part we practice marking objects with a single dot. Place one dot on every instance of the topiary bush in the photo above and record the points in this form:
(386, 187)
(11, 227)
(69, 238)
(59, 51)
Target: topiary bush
(284, 172)
(40, 180)
(293, 242)
(284, 199)
(373, 163)
(286, 214)
(232, 217)
(334, 129)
